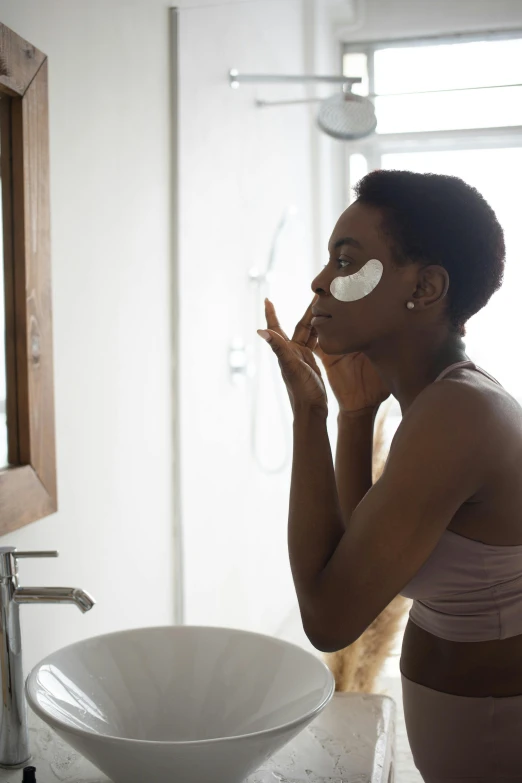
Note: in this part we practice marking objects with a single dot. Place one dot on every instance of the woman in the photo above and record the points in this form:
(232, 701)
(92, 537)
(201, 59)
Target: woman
(410, 261)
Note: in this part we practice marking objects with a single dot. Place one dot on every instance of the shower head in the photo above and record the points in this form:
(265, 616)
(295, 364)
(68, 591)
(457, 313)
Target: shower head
(346, 116)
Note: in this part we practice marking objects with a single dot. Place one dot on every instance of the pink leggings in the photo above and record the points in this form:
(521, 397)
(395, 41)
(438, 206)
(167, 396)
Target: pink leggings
(463, 739)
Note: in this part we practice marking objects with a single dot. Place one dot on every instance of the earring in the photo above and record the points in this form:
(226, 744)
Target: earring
(410, 305)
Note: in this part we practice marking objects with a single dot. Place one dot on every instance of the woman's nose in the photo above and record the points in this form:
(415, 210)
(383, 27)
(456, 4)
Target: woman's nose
(320, 283)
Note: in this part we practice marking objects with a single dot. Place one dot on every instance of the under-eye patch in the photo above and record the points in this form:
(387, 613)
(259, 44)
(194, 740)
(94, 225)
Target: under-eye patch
(358, 285)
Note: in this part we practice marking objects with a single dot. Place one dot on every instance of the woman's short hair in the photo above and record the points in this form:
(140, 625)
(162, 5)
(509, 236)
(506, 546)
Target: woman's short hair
(439, 219)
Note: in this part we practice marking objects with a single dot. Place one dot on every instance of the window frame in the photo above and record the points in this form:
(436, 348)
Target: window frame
(378, 144)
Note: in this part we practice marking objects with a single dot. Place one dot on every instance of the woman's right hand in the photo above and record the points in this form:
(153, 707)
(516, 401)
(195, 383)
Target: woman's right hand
(353, 379)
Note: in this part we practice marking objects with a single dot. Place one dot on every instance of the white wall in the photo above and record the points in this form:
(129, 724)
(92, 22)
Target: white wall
(240, 168)
(111, 145)
(110, 200)
(387, 19)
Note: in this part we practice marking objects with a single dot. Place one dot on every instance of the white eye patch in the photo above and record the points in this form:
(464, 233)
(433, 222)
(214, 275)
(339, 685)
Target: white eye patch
(358, 285)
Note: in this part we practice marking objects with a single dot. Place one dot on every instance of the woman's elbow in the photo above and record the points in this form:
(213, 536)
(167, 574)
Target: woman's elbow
(326, 642)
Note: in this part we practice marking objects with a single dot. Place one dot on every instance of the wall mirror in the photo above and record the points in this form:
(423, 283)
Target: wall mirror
(27, 432)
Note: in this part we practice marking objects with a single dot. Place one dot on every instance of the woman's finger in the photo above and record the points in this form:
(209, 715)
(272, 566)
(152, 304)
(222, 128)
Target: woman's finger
(281, 347)
(315, 366)
(303, 330)
(272, 320)
(312, 342)
(318, 351)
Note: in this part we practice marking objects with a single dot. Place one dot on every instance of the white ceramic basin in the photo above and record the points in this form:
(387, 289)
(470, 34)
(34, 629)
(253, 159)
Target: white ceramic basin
(182, 704)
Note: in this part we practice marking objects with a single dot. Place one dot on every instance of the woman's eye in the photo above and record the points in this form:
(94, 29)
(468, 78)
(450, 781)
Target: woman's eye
(346, 262)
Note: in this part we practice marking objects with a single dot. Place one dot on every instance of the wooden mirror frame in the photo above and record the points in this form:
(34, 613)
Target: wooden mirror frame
(28, 483)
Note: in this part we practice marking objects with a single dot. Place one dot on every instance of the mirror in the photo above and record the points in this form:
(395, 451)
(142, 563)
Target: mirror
(27, 435)
(4, 451)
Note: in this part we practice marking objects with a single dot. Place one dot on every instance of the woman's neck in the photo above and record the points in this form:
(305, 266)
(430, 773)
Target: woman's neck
(412, 362)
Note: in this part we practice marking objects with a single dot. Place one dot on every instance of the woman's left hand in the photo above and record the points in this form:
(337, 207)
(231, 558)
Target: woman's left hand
(299, 369)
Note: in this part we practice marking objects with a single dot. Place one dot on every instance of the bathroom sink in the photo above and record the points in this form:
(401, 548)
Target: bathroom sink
(182, 704)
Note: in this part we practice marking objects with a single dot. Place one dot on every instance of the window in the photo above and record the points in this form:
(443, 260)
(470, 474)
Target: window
(454, 106)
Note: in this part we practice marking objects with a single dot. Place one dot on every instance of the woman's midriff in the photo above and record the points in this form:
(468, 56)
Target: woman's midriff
(492, 668)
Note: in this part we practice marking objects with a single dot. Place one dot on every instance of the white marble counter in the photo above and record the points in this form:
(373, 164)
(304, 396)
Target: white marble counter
(352, 741)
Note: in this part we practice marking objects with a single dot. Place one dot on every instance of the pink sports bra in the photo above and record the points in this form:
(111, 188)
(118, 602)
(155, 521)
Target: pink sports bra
(468, 591)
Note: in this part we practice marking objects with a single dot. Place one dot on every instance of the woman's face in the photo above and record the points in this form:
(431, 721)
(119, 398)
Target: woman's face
(372, 306)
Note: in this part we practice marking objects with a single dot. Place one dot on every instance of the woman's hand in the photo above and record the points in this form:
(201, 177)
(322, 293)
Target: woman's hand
(299, 369)
(354, 380)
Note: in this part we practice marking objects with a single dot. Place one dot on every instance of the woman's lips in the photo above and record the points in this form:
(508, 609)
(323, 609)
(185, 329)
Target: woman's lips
(320, 319)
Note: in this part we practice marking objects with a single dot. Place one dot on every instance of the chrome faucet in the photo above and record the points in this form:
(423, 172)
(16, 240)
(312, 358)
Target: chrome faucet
(14, 736)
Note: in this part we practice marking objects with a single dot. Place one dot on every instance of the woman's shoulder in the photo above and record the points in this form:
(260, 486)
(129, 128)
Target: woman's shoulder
(471, 386)
(470, 404)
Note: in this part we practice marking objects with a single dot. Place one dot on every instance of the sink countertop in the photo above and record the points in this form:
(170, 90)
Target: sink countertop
(352, 741)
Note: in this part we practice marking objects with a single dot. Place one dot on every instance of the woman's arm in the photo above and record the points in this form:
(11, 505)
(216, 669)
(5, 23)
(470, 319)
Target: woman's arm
(353, 458)
(315, 522)
(322, 500)
(346, 574)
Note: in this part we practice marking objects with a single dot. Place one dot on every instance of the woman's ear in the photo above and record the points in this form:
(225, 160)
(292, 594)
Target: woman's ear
(432, 286)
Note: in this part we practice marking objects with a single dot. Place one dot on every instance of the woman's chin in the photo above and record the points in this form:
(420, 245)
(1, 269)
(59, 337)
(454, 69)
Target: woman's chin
(333, 347)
